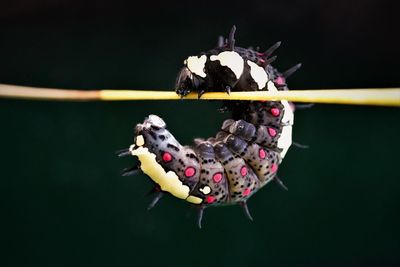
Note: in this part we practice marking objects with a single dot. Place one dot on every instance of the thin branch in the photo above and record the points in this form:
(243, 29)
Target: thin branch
(375, 96)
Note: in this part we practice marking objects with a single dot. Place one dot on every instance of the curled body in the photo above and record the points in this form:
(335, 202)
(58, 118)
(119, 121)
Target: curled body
(246, 152)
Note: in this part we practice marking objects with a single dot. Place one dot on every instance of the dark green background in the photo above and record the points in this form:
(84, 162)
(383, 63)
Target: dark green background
(63, 202)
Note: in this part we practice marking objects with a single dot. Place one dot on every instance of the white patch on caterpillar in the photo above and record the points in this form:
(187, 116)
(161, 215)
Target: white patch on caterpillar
(285, 140)
(156, 121)
(232, 60)
(205, 190)
(196, 65)
(168, 181)
(288, 115)
(258, 74)
(194, 199)
(139, 140)
(271, 87)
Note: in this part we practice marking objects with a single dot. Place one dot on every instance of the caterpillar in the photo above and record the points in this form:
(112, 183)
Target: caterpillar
(243, 156)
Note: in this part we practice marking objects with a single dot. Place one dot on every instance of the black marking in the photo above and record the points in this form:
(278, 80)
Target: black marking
(155, 128)
(173, 147)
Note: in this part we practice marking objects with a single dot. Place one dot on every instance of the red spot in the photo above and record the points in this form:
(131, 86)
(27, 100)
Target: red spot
(210, 199)
(166, 157)
(217, 177)
(190, 171)
(243, 171)
(274, 167)
(262, 154)
(275, 112)
(246, 192)
(280, 81)
(272, 132)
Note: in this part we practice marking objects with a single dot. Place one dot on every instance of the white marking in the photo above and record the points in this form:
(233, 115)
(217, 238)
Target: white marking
(285, 140)
(131, 148)
(258, 74)
(194, 199)
(156, 121)
(168, 181)
(205, 190)
(232, 60)
(139, 140)
(196, 65)
(288, 115)
(271, 87)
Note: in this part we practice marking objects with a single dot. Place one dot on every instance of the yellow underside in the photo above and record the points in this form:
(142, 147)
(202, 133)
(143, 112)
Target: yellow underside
(168, 181)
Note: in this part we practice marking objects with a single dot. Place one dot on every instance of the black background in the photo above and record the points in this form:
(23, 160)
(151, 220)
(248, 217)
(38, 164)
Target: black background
(63, 201)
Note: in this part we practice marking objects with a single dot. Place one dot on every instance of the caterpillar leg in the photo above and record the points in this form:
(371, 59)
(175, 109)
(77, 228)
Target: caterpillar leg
(200, 213)
(264, 162)
(267, 136)
(280, 183)
(157, 197)
(130, 171)
(123, 152)
(303, 106)
(298, 145)
(246, 210)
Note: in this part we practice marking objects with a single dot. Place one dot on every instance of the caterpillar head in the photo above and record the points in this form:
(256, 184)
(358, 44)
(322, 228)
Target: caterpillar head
(192, 75)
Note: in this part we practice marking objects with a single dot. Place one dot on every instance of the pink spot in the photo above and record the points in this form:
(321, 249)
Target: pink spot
(210, 199)
(262, 60)
(166, 157)
(243, 171)
(262, 154)
(280, 81)
(217, 177)
(190, 171)
(246, 192)
(271, 131)
(275, 112)
(274, 167)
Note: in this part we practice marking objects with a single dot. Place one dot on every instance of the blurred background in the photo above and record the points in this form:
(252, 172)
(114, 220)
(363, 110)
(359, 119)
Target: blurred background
(63, 202)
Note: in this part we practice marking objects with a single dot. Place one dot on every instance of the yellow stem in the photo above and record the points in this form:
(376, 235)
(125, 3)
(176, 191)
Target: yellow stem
(375, 96)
